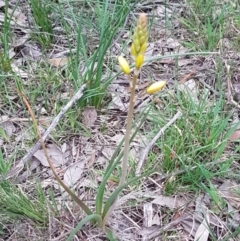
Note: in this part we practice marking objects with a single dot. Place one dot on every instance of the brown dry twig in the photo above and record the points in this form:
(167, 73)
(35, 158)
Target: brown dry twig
(229, 85)
(153, 141)
(73, 196)
(18, 168)
(187, 77)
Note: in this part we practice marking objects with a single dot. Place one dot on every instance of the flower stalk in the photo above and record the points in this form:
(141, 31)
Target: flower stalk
(138, 48)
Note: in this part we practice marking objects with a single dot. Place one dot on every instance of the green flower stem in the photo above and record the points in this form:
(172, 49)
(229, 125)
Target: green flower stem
(128, 129)
(126, 143)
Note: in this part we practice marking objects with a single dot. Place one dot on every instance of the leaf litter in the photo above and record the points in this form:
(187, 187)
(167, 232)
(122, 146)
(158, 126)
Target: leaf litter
(186, 221)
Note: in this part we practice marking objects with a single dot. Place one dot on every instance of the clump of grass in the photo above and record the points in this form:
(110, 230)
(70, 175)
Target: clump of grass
(108, 18)
(41, 12)
(197, 139)
(5, 65)
(5, 165)
(14, 204)
(205, 23)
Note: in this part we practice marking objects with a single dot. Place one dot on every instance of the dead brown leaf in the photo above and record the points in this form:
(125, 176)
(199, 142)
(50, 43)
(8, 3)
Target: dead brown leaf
(74, 173)
(18, 17)
(58, 62)
(89, 116)
(9, 127)
(235, 136)
(170, 202)
(203, 230)
(190, 89)
(91, 160)
(55, 155)
(32, 51)
(18, 71)
(228, 190)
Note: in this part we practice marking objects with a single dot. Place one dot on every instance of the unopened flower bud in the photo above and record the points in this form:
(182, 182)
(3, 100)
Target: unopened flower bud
(133, 50)
(124, 65)
(139, 61)
(155, 87)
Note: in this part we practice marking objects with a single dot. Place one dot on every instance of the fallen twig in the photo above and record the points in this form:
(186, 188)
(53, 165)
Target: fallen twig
(209, 87)
(18, 168)
(229, 85)
(153, 141)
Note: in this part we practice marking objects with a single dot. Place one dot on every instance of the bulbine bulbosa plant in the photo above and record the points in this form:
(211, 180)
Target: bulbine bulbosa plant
(103, 210)
(138, 49)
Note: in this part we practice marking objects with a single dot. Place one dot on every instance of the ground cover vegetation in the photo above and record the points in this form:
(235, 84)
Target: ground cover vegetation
(119, 120)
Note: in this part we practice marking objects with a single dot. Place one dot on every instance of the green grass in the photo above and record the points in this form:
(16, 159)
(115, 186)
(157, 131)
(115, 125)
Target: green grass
(5, 165)
(206, 22)
(15, 203)
(198, 138)
(5, 39)
(41, 10)
(105, 20)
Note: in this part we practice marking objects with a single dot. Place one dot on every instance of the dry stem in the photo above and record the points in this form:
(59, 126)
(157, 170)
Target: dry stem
(152, 142)
(73, 196)
(18, 168)
(128, 130)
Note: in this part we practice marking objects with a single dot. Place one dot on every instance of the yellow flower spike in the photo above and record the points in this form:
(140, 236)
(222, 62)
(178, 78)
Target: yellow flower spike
(155, 87)
(139, 61)
(140, 37)
(124, 65)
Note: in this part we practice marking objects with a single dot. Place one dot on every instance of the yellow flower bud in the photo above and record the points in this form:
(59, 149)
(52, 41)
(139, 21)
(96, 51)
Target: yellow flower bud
(142, 19)
(135, 36)
(124, 65)
(143, 48)
(139, 61)
(133, 50)
(137, 45)
(140, 33)
(155, 87)
(142, 39)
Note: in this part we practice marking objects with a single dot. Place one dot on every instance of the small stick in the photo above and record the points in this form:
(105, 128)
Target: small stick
(153, 141)
(73, 196)
(18, 168)
(187, 77)
(209, 87)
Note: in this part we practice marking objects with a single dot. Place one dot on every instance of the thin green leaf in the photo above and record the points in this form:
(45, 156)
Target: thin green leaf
(3, 134)
(115, 194)
(110, 234)
(95, 217)
(112, 164)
